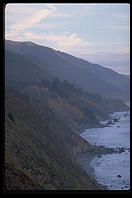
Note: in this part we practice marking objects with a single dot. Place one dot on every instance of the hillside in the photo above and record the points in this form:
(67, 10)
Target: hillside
(77, 108)
(39, 148)
(49, 96)
(88, 76)
(19, 68)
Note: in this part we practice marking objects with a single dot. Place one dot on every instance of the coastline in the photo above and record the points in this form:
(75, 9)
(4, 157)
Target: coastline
(86, 158)
(108, 116)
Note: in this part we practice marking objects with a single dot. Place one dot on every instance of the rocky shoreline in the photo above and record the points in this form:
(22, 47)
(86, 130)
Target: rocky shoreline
(85, 159)
(107, 122)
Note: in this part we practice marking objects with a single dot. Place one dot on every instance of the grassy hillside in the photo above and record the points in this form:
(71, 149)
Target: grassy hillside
(70, 103)
(36, 155)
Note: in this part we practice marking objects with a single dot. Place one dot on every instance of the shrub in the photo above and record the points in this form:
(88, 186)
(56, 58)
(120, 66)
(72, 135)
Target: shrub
(10, 116)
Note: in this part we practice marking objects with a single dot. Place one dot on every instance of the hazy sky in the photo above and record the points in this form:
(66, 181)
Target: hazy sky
(99, 33)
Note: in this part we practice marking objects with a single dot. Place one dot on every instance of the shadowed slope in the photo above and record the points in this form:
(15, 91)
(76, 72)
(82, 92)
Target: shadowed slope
(88, 76)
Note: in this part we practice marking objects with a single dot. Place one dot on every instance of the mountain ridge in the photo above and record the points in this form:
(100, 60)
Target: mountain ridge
(76, 70)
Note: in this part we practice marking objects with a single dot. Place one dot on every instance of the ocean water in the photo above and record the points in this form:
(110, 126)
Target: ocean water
(112, 170)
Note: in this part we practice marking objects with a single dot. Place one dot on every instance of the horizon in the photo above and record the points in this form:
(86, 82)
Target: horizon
(75, 33)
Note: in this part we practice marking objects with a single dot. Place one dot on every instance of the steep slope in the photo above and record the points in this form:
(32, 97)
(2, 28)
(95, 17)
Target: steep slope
(78, 109)
(36, 155)
(107, 75)
(88, 76)
(19, 68)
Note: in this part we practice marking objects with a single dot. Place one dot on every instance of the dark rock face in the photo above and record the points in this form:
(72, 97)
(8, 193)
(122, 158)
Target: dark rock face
(120, 150)
(116, 119)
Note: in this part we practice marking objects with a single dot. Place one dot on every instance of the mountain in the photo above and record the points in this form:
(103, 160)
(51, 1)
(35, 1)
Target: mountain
(43, 114)
(90, 77)
(127, 76)
(19, 68)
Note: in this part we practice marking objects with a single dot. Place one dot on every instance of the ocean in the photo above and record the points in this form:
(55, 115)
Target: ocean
(112, 170)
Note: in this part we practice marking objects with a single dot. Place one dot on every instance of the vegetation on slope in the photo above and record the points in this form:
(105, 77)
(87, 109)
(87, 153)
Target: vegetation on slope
(36, 156)
(74, 106)
(77, 107)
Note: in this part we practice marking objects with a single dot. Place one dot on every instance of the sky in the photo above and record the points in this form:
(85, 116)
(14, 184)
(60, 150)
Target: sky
(97, 32)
